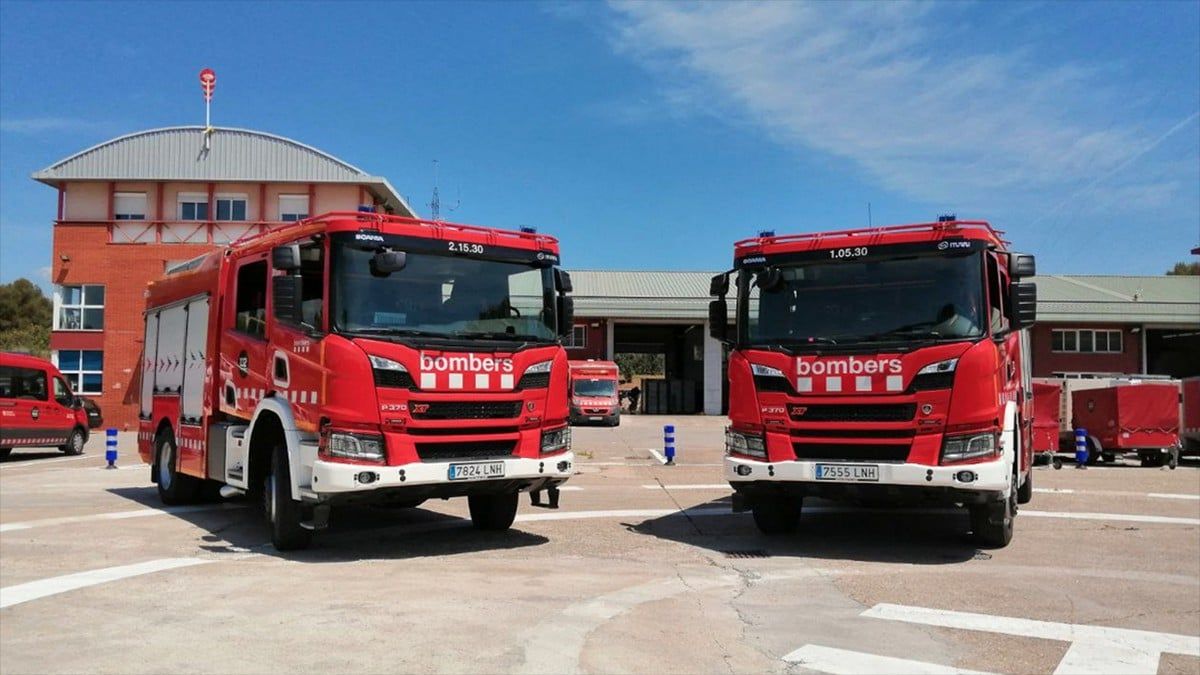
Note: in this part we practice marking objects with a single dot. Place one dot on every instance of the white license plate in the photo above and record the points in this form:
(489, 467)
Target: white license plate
(854, 472)
(476, 471)
(595, 418)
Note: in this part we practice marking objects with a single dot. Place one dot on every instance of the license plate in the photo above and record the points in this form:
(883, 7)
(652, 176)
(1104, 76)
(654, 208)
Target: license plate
(595, 418)
(476, 471)
(853, 472)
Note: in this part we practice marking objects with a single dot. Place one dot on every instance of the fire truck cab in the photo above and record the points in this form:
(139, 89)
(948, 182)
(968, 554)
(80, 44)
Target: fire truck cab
(357, 357)
(887, 364)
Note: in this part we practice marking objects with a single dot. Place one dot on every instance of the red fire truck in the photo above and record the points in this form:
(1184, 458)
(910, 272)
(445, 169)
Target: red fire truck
(356, 357)
(884, 364)
(594, 392)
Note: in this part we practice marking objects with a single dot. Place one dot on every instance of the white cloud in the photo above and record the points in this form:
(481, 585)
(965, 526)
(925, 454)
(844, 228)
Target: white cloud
(881, 85)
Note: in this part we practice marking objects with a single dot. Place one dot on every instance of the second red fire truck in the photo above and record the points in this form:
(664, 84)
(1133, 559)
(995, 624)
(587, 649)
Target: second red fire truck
(885, 364)
(357, 357)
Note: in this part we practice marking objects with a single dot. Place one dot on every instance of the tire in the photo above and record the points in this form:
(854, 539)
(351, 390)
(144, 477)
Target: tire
(493, 512)
(776, 515)
(5, 452)
(1150, 458)
(1094, 452)
(1108, 457)
(174, 488)
(75, 442)
(992, 523)
(283, 514)
(615, 420)
(1025, 494)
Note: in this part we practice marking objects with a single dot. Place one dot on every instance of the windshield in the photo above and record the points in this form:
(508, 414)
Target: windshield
(595, 388)
(442, 296)
(896, 299)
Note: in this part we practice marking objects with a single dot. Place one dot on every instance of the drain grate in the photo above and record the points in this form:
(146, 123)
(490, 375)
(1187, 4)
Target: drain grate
(748, 553)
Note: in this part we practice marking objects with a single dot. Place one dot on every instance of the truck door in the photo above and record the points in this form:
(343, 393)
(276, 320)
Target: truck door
(296, 369)
(244, 366)
(63, 413)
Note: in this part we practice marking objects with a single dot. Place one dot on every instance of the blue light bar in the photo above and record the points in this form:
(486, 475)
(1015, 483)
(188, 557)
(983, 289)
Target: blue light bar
(529, 230)
(766, 233)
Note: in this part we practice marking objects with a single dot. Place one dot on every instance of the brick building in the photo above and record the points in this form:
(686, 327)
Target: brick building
(130, 207)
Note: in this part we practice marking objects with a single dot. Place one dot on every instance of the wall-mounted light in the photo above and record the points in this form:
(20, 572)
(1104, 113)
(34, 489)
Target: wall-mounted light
(1135, 329)
(64, 257)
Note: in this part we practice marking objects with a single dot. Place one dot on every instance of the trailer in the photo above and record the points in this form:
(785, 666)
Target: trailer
(1189, 414)
(1142, 418)
(1047, 412)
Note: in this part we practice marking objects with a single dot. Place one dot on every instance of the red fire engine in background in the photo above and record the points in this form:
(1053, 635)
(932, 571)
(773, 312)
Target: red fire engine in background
(885, 364)
(594, 395)
(355, 357)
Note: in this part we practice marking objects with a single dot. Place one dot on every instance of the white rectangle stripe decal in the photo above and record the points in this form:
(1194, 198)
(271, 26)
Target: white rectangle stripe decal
(833, 384)
(429, 380)
(482, 381)
(456, 381)
(839, 661)
(33, 590)
(895, 383)
(803, 384)
(506, 381)
(862, 383)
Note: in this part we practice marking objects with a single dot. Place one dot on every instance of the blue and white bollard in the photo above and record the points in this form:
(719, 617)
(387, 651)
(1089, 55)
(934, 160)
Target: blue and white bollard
(1081, 448)
(669, 443)
(110, 447)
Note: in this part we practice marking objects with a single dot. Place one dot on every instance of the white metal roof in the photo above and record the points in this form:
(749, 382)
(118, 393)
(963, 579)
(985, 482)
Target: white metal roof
(1159, 300)
(230, 155)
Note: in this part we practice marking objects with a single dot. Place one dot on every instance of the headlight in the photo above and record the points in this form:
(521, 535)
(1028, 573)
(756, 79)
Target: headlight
(765, 371)
(355, 446)
(386, 364)
(743, 444)
(946, 366)
(959, 448)
(557, 440)
(543, 367)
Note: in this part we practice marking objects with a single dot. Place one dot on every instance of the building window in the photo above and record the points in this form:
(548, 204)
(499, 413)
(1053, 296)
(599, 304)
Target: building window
(79, 307)
(231, 207)
(577, 339)
(293, 207)
(84, 369)
(1087, 341)
(129, 206)
(193, 206)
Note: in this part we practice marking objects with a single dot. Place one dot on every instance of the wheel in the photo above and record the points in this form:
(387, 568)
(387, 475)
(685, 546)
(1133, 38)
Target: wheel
(1057, 462)
(5, 452)
(283, 514)
(493, 511)
(777, 515)
(173, 487)
(615, 421)
(1094, 452)
(1025, 494)
(75, 442)
(1150, 458)
(1108, 457)
(992, 523)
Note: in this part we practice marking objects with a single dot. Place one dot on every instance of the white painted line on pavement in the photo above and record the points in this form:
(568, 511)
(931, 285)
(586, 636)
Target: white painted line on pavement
(12, 464)
(15, 595)
(846, 662)
(712, 486)
(570, 488)
(1094, 649)
(1058, 491)
(1114, 493)
(117, 515)
(658, 456)
(1122, 517)
(1164, 495)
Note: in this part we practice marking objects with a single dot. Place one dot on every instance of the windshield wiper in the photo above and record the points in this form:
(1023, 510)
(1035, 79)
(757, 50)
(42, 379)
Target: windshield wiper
(903, 332)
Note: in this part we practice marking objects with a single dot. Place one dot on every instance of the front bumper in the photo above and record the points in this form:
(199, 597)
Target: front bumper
(336, 478)
(992, 478)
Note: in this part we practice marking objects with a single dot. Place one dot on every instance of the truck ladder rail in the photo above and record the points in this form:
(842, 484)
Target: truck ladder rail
(938, 227)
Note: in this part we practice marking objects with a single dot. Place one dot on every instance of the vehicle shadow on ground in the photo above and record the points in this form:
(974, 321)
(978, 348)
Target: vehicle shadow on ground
(355, 532)
(828, 530)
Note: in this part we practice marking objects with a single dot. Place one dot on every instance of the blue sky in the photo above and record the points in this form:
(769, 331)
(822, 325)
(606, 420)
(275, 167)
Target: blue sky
(653, 135)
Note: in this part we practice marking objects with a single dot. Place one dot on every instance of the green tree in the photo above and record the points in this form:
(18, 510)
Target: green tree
(24, 318)
(1185, 269)
(640, 364)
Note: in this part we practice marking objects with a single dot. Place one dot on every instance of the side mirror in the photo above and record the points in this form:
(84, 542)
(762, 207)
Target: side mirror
(1021, 265)
(385, 262)
(286, 257)
(566, 315)
(719, 286)
(285, 298)
(1023, 300)
(562, 281)
(77, 402)
(718, 320)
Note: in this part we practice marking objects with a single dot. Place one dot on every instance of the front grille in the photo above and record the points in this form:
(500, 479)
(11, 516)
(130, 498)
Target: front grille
(853, 453)
(834, 412)
(398, 379)
(465, 410)
(534, 381)
(932, 381)
(855, 433)
(440, 452)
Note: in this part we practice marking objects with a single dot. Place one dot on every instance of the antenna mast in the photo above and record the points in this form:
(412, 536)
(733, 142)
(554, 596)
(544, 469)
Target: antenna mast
(435, 204)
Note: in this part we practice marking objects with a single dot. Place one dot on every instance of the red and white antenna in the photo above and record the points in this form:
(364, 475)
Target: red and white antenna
(208, 83)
